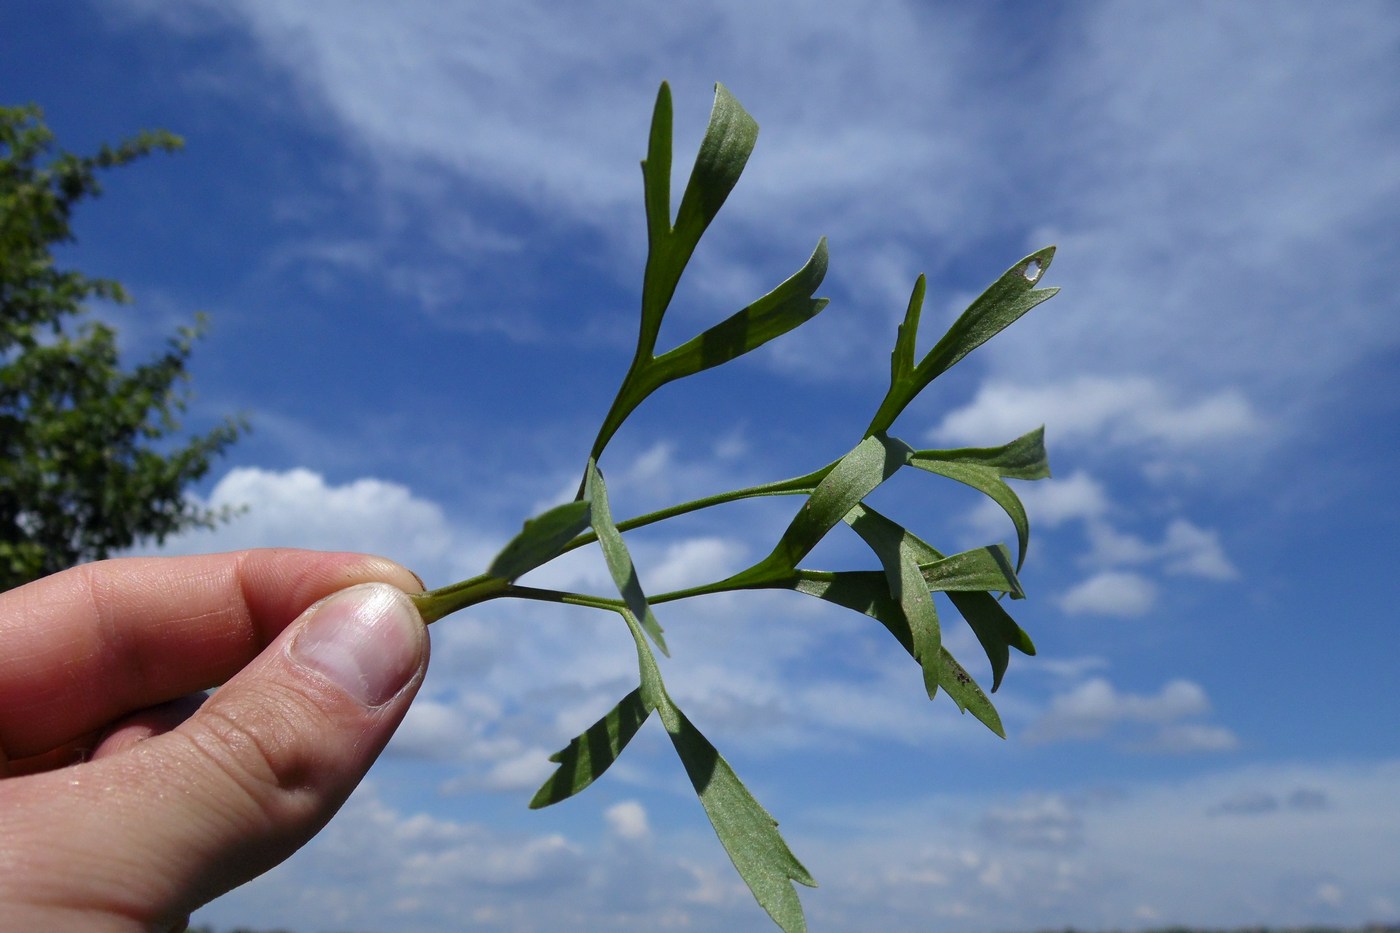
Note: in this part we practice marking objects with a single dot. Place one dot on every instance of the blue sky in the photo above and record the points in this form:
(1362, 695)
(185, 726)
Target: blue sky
(417, 229)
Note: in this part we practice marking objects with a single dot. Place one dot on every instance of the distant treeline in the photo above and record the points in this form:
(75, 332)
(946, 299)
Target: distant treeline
(1369, 928)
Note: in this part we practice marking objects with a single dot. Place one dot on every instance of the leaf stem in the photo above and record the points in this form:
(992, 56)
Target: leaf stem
(435, 604)
(797, 485)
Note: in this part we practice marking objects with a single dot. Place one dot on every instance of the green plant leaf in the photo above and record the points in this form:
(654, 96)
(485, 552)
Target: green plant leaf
(958, 684)
(981, 569)
(776, 313)
(978, 570)
(868, 592)
(871, 462)
(541, 540)
(747, 831)
(1005, 300)
(902, 357)
(983, 468)
(994, 628)
(965, 578)
(656, 170)
(619, 561)
(890, 542)
(1023, 458)
(587, 756)
(729, 140)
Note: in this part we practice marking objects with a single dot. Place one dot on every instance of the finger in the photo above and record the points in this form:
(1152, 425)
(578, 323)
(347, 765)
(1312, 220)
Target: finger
(92, 644)
(125, 733)
(156, 830)
(148, 723)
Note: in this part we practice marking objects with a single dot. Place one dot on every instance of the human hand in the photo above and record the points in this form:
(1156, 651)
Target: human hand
(125, 803)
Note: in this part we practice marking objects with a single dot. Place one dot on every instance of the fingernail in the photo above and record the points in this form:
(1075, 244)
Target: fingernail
(366, 639)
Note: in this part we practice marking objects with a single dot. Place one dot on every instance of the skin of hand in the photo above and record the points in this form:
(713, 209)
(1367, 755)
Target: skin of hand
(127, 799)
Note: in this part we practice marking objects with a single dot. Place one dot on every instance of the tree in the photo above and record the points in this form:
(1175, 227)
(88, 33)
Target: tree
(90, 459)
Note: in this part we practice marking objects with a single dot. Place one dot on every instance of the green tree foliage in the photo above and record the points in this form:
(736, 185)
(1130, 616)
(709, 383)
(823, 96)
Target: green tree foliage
(89, 459)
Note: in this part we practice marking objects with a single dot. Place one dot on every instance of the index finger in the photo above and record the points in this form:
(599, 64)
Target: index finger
(89, 645)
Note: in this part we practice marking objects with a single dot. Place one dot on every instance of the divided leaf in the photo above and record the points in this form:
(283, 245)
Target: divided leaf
(729, 140)
(747, 831)
(619, 561)
(587, 756)
(900, 596)
(871, 462)
(725, 150)
(1000, 305)
(776, 313)
(541, 540)
(868, 592)
(891, 543)
(983, 468)
(967, 578)
(980, 570)
(994, 628)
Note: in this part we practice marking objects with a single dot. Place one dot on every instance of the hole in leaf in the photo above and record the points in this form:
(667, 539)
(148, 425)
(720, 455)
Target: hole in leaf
(1032, 270)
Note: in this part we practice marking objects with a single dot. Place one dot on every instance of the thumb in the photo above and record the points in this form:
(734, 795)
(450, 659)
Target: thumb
(151, 834)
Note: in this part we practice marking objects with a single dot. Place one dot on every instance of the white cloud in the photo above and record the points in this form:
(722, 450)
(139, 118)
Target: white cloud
(1056, 501)
(1130, 412)
(1189, 738)
(1008, 861)
(1196, 552)
(523, 771)
(695, 561)
(1185, 550)
(1111, 593)
(1043, 822)
(433, 729)
(1095, 709)
(1217, 211)
(972, 860)
(1202, 232)
(299, 508)
(627, 820)
(1049, 503)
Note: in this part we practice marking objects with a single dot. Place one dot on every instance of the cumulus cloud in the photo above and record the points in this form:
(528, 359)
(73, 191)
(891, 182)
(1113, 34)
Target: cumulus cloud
(1184, 550)
(1056, 501)
(1125, 411)
(1095, 709)
(693, 561)
(1125, 564)
(627, 820)
(975, 859)
(1042, 822)
(1111, 593)
(1187, 738)
(1196, 552)
(300, 508)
